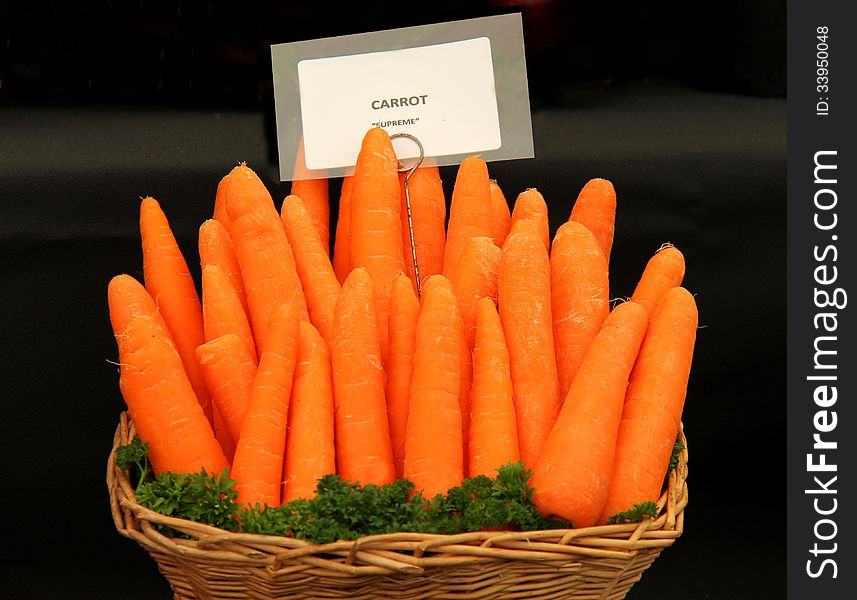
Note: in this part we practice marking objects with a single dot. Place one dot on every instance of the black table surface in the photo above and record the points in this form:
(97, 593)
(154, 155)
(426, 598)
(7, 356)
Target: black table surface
(704, 171)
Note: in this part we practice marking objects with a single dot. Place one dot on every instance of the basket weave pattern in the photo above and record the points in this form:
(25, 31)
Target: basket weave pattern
(595, 563)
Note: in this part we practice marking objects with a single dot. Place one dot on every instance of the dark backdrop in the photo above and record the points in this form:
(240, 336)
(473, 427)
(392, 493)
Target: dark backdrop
(103, 102)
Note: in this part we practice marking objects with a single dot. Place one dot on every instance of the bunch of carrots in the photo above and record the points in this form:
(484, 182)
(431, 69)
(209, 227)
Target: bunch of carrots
(297, 364)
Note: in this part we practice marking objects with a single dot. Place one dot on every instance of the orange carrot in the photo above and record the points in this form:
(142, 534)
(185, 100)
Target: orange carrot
(258, 465)
(572, 474)
(156, 388)
(267, 263)
(222, 312)
(653, 404)
(169, 282)
(434, 446)
(315, 196)
(229, 372)
(476, 278)
(531, 206)
(220, 213)
(310, 443)
(341, 251)
(525, 311)
(493, 429)
(313, 264)
(470, 213)
(595, 207)
(501, 218)
(363, 449)
(216, 248)
(404, 310)
(376, 225)
(664, 271)
(245, 193)
(428, 214)
(579, 297)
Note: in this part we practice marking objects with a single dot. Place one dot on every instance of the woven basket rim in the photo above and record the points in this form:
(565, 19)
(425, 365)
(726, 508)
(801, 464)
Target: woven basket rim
(403, 553)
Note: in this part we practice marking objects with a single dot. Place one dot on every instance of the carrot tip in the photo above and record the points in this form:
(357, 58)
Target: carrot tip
(600, 183)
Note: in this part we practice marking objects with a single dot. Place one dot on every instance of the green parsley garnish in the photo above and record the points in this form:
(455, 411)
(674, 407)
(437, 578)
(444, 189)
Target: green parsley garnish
(635, 515)
(342, 510)
(197, 497)
(134, 454)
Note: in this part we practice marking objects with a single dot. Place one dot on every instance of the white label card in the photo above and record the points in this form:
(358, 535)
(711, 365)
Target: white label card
(442, 94)
(458, 87)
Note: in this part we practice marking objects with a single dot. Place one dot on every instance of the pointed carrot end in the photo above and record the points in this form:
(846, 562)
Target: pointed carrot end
(358, 277)
(149, 203)
(435, 282)
(474, 163)
(600, 186)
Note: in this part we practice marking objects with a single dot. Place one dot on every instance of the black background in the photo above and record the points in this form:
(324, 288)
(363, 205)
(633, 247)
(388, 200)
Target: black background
(681, 107)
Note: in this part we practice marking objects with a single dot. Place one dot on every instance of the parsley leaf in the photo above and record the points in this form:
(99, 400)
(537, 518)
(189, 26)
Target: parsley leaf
(677, 448)
(201, 497)
(674, 457)
(636, 514)
(134, 454)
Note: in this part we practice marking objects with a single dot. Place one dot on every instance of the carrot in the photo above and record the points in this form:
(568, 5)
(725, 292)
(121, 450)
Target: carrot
(470, 213)
(428, 214)
(245, 193)
(493, 429)
(363, 449)
(653, 404)
(222, 312)
(313, 264)
(258, 465)
(315, 196)
(501, 218)
(220, 213)
(216, 248)
(664, 271)
(434, 446)
(572, 474)
(525, 311)
(404, 310)
(579, 297)
(169, 282)
(475, 279)
(376, 226)
(595, 207)
(155, 386)
(310, 450)
(229, 372)
(267, 263)
(341, 251)
(531, 206)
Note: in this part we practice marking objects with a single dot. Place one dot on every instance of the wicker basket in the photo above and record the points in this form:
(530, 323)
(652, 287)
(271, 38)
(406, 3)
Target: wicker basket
(583, 564)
